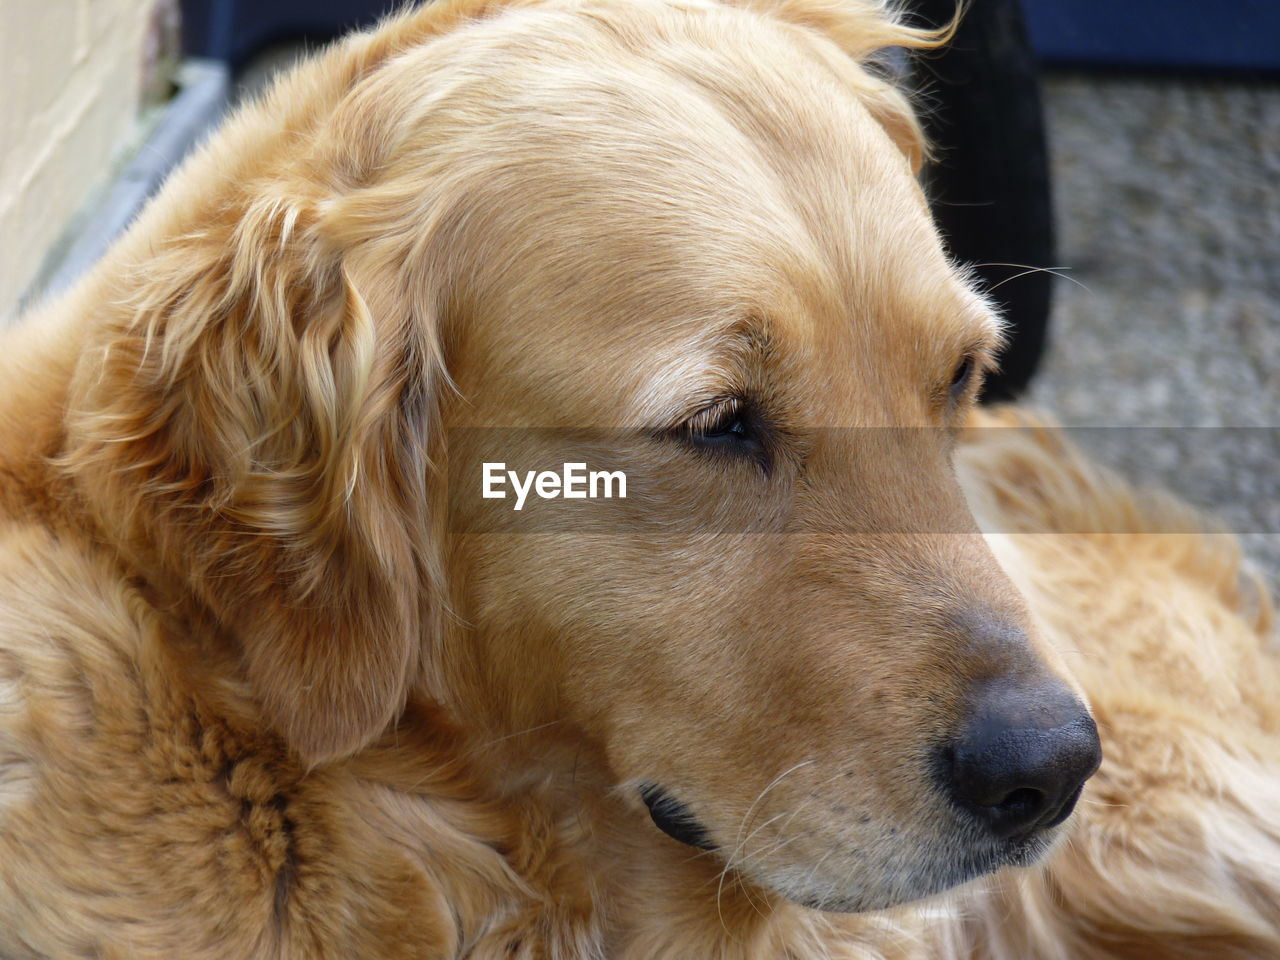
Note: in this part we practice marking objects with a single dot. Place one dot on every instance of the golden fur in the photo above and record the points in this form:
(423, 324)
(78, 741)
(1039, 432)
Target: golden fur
(259, 699)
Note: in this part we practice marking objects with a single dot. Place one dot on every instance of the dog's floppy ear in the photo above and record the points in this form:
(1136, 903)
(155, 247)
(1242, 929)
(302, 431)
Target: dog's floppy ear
(253, 432)
(862, 29)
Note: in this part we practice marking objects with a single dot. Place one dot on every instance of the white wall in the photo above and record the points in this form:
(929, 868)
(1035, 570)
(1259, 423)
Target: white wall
(73, 78)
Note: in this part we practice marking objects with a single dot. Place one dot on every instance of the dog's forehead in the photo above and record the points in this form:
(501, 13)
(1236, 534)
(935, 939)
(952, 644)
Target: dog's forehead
(651, 115)
(663, 188)
(697, 125)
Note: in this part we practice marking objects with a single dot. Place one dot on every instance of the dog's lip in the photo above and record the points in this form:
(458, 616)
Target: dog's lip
(674, 818)
(944, 876)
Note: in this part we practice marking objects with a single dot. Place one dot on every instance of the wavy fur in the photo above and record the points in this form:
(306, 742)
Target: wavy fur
(258, 699)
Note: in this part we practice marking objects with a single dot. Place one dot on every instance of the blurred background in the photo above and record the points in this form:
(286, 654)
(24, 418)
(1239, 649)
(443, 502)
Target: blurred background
(1132, 148)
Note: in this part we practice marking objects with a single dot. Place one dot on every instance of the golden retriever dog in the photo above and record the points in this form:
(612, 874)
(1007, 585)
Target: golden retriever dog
(271, 688)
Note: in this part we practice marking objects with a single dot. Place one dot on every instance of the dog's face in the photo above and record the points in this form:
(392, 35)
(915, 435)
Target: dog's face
(712, 250)
(697, 228)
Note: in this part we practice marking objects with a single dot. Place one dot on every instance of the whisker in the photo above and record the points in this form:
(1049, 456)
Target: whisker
(746, 817)
(521, 733)
(1026, 269)
(732, 862)
(732, 859)
(813, 871)
(782, 839)
(760, 796)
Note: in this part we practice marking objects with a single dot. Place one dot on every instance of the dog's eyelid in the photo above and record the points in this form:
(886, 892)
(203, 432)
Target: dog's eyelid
(729, 425)
(982, 351)
(702, 403)
(983, 345)
(722, 417)
(717, 369)
(710, 415)
(969, 368)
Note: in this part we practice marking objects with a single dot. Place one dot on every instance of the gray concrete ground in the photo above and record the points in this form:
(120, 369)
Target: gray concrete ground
(1168, 205)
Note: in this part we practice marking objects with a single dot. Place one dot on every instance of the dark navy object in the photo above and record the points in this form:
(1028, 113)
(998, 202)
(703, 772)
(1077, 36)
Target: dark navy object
(1241, 35)
(1162, 34)
(235, 30)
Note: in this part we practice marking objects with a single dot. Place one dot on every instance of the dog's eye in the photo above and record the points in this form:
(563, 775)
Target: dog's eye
(727, 425)
(961, 379)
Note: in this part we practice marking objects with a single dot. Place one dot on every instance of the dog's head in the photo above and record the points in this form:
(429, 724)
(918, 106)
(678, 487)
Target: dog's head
(694, 226)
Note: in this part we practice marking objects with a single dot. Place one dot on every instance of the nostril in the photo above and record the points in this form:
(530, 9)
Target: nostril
(1021, 802)
(1005, 812)
(1064, 810)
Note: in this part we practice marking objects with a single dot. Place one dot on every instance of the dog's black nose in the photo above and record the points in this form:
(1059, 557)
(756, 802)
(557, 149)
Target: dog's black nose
(1023, 757)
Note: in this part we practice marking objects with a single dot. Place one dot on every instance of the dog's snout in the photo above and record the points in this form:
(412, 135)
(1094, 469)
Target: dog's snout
(1022, 759)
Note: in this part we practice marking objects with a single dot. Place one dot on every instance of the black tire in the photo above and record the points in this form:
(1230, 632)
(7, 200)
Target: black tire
(989, 183)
